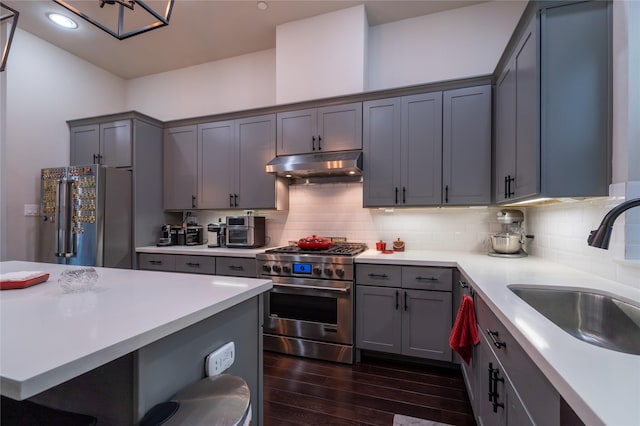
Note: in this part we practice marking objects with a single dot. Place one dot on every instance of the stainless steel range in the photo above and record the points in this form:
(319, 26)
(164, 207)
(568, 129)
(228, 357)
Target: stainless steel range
(309, 311)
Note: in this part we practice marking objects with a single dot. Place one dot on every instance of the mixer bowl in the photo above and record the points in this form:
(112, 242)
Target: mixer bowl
(506, 243)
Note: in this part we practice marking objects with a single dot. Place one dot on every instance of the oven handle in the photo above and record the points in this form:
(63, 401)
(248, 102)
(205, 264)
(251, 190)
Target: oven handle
(313, 287)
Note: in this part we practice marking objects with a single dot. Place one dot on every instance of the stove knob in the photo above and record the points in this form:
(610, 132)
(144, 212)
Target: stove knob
(328, 271)
(266, 268)
(276, 268)
(317, 271)
(286, 269)
(340, 272)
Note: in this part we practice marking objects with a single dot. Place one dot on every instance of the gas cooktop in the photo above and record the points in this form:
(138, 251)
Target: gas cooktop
(336, 249)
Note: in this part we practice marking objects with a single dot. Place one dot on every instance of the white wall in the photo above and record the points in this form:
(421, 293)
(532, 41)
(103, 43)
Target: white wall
(233, 84)
(458, 43)
(322, 56)
(45, 87)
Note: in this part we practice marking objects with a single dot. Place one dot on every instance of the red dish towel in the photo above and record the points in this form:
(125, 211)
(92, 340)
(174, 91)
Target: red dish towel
(464, 334)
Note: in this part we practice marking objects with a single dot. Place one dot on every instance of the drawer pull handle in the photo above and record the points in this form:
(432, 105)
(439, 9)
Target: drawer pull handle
(194, 265)
(383, 276)
(463, 284)
(493, 387)
(397, 299)
(419, 278)
(494, 338)
(155, 262)
(236, 268)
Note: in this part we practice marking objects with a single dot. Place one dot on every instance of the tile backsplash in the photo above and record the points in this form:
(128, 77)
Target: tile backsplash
(560, 230)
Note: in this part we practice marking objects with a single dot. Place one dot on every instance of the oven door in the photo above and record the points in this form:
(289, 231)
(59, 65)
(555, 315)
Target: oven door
(310, 309)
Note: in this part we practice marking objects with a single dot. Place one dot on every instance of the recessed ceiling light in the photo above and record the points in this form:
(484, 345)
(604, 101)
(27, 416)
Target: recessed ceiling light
(63, 21)
(262, 5)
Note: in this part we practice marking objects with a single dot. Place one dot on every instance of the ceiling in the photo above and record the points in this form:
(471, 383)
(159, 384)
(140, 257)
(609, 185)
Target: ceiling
(199, 31)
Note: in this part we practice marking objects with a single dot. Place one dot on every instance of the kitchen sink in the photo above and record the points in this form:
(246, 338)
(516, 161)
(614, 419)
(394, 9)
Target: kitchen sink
(591, 316)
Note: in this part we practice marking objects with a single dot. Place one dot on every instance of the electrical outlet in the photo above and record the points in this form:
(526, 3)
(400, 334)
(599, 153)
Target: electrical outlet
(32, 209)
(220, 360)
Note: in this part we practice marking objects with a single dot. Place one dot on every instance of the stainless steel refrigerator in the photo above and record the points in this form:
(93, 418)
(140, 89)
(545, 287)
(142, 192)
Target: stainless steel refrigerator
(86, 216)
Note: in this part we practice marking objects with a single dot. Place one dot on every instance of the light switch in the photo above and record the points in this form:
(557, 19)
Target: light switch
(32, 209)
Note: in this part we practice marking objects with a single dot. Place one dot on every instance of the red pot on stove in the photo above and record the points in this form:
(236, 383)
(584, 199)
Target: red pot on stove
(314, 243)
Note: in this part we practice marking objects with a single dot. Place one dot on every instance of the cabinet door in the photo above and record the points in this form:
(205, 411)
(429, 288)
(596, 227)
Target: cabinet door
(505, 132)
(297, 132)
(421, 150)
(217, 165)
(527, 180)
(466, 146)
(116, 144)
(576, 89)
(340, 127)
(381, 152)
(85, 144)
(378, 319)
(491, 398)
(255, 139)
(426, 324)
(180, 168)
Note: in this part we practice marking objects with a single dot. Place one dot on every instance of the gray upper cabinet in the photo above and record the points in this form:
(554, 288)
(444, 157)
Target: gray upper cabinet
(428, 149)
(466, 146)
(108, 143)
(553, 104)
(402, 143)
(230, 157)
(180, 168)
(421, 150)
(217, 165)
(332, 128)
(381, 150)
(257, 189)
(517, 158)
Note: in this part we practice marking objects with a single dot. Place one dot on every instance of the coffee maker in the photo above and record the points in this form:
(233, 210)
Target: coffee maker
(509, 242)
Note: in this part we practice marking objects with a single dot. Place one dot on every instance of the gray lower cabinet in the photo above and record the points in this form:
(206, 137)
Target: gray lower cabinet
(404, 310)
(211, 265)
(505, 386)
(428, 149)
(107, 143)
(553, 104)
(180, 168)
(331, 128)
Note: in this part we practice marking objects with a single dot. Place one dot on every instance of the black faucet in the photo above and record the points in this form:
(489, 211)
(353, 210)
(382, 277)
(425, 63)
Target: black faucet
(600, 237)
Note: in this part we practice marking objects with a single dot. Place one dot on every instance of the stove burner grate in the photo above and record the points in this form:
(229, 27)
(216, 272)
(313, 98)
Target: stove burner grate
(336, 249)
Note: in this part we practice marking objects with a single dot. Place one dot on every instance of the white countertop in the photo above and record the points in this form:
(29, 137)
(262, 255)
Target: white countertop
(203, 250)
(602, 386)
(48, 337)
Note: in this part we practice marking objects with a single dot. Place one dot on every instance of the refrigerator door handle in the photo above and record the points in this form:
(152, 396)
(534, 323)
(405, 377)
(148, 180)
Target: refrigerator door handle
(64, 214)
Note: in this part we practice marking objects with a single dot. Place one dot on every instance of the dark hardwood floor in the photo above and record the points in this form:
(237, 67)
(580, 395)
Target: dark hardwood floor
(300, 391)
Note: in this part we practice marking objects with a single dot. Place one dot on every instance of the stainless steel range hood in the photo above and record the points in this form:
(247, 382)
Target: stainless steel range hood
(326, 164)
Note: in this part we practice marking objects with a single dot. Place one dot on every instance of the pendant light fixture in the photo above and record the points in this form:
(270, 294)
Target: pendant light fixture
(122, 18)
(8, 16)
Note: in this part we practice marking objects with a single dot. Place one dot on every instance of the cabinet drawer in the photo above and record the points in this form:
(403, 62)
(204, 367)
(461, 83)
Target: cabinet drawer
(236, 267)
(379, 275)
(196, 264)
(427, 278)
(157, 262)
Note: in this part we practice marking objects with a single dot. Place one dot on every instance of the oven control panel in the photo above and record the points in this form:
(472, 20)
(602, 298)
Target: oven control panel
(306, 270)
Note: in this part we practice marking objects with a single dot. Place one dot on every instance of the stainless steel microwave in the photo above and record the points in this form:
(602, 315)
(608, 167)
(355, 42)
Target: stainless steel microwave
(245, 231)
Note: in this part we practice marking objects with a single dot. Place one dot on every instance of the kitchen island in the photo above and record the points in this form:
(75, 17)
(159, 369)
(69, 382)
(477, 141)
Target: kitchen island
(602, 386)
(127, 344)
